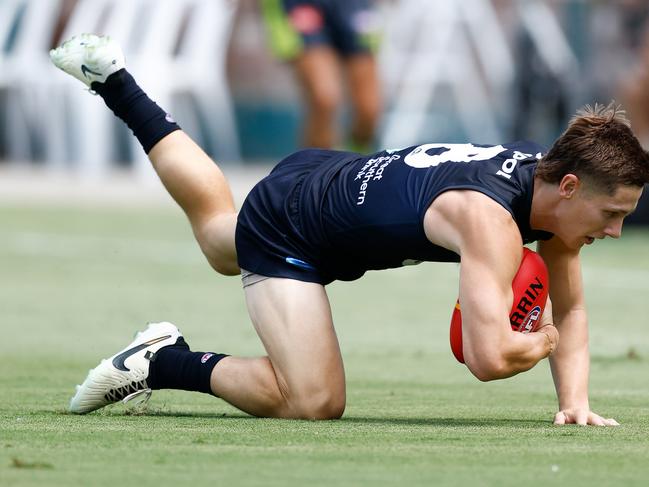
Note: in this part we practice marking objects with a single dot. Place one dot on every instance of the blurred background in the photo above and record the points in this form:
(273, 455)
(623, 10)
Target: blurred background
(485, 71)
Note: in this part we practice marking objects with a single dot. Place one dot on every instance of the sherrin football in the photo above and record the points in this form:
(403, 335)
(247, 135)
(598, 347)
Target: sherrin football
(530, 287)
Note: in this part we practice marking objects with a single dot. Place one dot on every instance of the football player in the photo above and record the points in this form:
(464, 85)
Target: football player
(323, 215)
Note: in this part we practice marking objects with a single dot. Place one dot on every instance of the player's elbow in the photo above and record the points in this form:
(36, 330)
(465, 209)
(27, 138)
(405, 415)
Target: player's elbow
(504, 357)
(488, 367)
(491, 372)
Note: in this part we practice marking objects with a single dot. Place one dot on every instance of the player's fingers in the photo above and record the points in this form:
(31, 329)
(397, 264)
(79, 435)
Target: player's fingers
(596, 420)
(560, 418)
(581, 417)
(611, 422)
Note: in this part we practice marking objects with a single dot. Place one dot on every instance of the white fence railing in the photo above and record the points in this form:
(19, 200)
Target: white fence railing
(176, 49)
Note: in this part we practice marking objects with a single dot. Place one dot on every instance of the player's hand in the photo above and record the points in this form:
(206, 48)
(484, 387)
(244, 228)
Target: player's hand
(583, 417)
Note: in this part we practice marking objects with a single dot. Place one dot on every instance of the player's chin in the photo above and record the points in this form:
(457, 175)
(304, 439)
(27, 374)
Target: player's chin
(575, 243)
(585, 240)
(571, 240)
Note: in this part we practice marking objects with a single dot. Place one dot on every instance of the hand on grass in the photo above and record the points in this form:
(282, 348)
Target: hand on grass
(582, 417)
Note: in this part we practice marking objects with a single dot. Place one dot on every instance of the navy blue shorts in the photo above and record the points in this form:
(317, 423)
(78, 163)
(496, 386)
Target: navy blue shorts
(269, 237)
(348, 26)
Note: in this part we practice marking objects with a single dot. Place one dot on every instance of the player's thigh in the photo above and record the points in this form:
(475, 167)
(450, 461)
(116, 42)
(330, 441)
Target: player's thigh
(293, 320)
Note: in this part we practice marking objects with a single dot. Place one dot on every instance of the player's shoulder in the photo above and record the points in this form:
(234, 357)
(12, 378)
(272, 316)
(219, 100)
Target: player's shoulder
(467, 218)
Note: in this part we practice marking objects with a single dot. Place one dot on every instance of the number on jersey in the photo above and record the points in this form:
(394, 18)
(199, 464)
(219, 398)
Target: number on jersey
(420, 158)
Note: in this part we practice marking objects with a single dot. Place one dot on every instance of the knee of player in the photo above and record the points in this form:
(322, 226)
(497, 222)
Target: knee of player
(323, 404)
(216, 239)
(226, 267)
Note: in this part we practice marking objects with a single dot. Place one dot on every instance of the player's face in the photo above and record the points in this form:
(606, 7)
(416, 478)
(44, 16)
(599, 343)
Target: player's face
(588, 214)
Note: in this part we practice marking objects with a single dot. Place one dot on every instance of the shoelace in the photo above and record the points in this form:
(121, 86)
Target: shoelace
(128, 392)
(141, 402)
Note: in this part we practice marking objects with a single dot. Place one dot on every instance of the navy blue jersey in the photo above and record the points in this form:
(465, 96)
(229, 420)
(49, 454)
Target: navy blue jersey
(338, 214)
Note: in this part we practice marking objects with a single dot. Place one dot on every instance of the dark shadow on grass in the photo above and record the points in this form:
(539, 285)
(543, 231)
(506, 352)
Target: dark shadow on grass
(449, 422)
(148, 413)
(181, 414)
(360, 420)
(399, 421)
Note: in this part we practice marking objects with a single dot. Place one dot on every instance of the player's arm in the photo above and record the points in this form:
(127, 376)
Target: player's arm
(483, 233)
(570, 363)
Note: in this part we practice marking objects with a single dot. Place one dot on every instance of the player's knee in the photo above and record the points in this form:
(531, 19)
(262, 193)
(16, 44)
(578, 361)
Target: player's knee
(324, 404)
(221, 260)
(226, 268)
(215, 236)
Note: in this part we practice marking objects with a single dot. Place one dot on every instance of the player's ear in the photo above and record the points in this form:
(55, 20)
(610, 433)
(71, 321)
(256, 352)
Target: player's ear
(568, 186)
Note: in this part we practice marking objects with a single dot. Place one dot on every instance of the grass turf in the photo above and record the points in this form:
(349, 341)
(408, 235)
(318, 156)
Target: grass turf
(76, 284)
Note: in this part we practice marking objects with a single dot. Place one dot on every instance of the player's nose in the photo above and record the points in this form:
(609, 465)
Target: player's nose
(614, 230)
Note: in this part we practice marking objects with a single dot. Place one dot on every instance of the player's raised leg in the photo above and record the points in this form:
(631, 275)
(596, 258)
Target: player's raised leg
(200, 188)
(190, 176)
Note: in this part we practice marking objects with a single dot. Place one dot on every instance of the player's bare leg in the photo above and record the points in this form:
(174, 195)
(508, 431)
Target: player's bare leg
(190, 176)
(365, 93)
(319, 73)
(302, 377)
(303, 374)
(197, 184)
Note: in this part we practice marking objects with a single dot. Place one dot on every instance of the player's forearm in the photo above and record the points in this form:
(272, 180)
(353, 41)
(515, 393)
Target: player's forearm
(517, 353)
(526, 350)
(571, 362)
(570, 370)
(571, 382)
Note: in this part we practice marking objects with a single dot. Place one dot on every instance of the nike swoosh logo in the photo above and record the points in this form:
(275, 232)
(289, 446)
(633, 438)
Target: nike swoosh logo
(119, 360)
(85, 70)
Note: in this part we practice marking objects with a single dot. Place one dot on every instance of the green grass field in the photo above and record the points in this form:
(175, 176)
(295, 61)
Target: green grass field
(77, 283)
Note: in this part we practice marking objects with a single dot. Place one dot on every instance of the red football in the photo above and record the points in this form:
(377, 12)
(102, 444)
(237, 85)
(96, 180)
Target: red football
(530, 286)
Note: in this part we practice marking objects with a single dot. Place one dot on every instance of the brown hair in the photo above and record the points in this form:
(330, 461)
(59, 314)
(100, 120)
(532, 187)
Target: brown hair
(598, 146)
